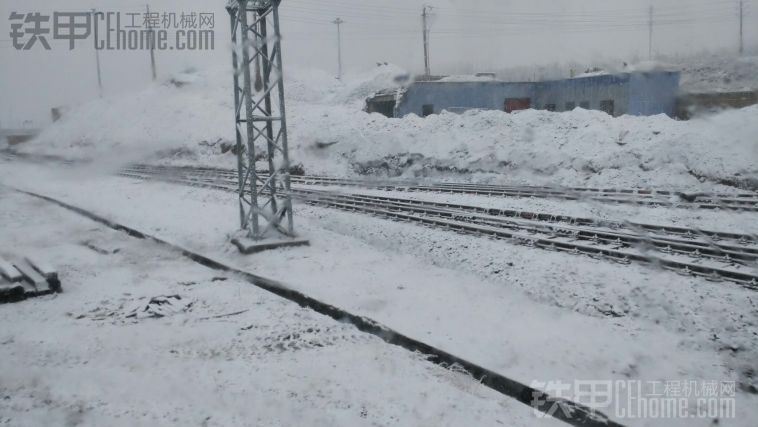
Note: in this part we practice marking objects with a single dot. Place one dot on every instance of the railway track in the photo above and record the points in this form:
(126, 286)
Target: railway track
(746, 201)
(643, 197)
(714, 255)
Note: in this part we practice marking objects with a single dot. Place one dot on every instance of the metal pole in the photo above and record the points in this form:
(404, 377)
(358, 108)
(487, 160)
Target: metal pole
(97, 60)
(742, 46)
(650, 35)
(339, 22)
(152, 44)
(283, 127)
(252, 218)
(265, 199)
(270, 146)
(234, 24)
(426, 41)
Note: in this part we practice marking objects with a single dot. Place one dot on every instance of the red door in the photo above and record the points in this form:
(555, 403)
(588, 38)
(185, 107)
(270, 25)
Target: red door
(515, 104)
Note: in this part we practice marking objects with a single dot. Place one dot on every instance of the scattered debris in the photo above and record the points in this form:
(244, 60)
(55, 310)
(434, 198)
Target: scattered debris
(297, 169)
(219, 316)
(101, 247)
(322, 144)
(161, 306)
(622, 135)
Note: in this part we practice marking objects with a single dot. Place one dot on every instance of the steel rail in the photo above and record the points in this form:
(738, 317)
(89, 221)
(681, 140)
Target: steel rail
(720, 252)
(739, 202)
(737, 197)
(552, 218)
(338, 201)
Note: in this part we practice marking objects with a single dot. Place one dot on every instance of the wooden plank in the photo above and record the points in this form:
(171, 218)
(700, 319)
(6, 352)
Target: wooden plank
(10, 272)
(32, 277)
(103, 248)
(41, 266)
(46, 270)
(10, 291)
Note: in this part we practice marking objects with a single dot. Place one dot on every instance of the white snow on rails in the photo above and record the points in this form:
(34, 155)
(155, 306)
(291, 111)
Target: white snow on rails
(711, 258)
(644, 197)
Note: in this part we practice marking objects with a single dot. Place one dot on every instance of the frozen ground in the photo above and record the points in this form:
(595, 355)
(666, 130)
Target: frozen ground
(526, 313)
(225, 354)
(189, 121)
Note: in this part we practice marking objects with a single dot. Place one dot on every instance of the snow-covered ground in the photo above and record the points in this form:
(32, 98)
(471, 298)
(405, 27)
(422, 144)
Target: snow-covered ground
(225, 353)
(329, 134)
(523, 312)
(527, 313)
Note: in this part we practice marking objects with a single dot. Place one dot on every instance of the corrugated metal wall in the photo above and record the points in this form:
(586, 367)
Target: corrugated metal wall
(629, 93)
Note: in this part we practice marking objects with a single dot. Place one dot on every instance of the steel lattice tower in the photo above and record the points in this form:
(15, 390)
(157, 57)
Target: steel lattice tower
(264, 199)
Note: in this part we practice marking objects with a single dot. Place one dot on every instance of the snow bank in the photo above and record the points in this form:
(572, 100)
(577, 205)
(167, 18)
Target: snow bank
(188, 119)
(578, 147)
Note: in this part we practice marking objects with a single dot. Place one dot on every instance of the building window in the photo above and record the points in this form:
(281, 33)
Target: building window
(427, 109)
(570, 106)
(550, 107)
(385, 108)
(585, 105)
(515, 104)
(607, 106)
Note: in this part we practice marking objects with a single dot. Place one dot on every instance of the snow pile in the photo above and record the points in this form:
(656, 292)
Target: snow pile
(176, 115)
(578, 147)
(190, 119)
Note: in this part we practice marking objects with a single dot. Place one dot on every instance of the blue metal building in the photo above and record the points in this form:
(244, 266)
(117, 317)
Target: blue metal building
(644, 93)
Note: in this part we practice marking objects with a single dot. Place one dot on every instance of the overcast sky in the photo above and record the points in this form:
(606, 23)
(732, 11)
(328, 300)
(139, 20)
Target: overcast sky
(478, 34)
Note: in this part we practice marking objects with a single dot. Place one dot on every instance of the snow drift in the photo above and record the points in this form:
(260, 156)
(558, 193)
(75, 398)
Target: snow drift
(189, 119)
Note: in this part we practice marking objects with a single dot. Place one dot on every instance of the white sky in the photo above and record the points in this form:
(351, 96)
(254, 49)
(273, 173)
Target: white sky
(478, 34)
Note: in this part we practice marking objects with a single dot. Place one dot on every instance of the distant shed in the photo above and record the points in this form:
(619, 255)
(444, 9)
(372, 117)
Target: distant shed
(617, 94)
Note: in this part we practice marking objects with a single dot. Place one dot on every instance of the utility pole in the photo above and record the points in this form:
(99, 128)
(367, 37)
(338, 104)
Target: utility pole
(742, 15)
(339, 22)
(97, 61)
(152, 44)
(265, 200)
(650, 34)
(425, 31)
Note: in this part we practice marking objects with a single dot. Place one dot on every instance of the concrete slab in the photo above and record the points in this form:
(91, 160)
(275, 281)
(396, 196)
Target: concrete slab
(10, 291)
(34, 278)
(8, 271)
(44, 269)
(249, 246)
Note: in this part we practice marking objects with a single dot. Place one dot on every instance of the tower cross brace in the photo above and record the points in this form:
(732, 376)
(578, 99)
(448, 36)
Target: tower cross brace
(265, 203)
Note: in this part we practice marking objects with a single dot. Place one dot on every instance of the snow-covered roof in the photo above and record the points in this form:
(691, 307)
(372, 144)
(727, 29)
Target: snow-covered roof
(467, 78)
